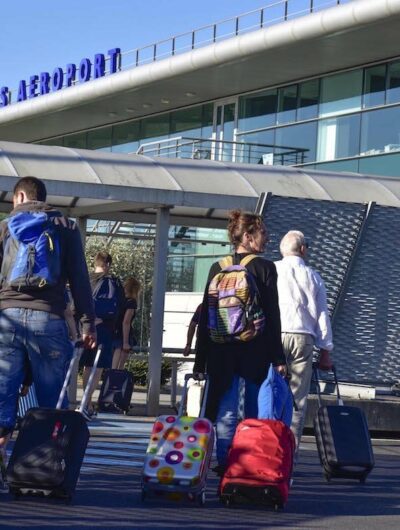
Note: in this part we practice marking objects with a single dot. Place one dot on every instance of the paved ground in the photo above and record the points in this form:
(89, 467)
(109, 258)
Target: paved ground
(108, 494)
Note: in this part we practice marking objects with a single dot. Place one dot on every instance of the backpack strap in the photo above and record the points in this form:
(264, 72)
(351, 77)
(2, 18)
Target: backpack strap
(227, 261)
(247, 259)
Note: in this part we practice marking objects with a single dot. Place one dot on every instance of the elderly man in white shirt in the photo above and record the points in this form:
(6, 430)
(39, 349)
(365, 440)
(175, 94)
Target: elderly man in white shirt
(304, 319)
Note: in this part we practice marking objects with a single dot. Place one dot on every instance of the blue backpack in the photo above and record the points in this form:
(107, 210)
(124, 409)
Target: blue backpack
(108, 298)
(275, 399)
(31, 253)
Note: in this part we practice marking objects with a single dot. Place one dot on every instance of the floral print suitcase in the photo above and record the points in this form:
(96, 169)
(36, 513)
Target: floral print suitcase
(178, 456)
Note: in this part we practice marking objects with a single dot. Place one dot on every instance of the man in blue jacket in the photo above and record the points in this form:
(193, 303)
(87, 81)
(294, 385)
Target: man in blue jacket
(40, 251)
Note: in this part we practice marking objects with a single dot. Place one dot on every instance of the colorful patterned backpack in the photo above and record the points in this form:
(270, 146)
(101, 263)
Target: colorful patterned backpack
(234, 305)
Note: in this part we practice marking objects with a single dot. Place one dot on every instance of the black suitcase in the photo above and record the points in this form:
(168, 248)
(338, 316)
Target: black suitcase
(343, 440)
(116, 391)
(49, 450)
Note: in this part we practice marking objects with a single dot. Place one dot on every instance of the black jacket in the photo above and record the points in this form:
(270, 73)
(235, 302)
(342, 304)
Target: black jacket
(251, 359)
(73, 270)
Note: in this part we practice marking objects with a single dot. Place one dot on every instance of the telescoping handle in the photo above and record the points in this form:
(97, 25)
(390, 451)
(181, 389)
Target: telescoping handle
(88, 387)
(78, 349)
(183, 404)
(316, 379)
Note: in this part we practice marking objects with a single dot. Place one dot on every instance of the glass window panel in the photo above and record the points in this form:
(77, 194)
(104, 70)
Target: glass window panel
(99, 139)
(374, 86)
(380, 131)
(338, 137)
(224, 131)
(52, 141)
(187, 121)
(341, 93)
(393, 90)
(287, 104)
(126, 137)
(79, 141)
(156, 127)
(207, 120)
(258, 110)
(340, 165)
(308, 100)
(154, 133)
(388, 165)
(295, 144)
(257, 147)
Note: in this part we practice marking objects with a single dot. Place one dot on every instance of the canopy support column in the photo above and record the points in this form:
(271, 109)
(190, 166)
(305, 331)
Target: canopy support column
(157, 310)
(82, 227)
(72, 389)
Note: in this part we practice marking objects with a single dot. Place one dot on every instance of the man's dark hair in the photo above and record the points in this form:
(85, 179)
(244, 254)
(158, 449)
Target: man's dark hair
(33, 187)
(102, 258)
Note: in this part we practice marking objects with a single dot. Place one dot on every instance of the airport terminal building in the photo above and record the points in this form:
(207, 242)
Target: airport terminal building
(312, 85)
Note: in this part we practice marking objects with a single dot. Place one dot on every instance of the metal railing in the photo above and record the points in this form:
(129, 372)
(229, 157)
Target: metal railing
(260, 18)
(225, 151)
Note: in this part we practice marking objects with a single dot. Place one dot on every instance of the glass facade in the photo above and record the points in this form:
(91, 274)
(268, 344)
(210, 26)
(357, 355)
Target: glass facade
(340, 121)
(331, 120)
(127, 137)
(347, 121)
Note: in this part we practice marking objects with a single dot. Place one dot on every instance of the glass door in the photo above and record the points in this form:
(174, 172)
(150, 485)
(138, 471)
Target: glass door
(225, 119)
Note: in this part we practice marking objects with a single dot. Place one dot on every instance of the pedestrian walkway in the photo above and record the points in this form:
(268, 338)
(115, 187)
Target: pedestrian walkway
(127, 448)
(108, 493)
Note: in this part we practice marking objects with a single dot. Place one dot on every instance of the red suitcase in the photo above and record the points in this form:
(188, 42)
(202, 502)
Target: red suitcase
(260, 464)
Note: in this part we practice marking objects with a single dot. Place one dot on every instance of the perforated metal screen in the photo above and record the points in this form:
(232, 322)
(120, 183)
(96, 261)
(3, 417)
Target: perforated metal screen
(356, 251)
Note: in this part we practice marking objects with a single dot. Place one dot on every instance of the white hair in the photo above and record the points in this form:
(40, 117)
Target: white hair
(291, 243)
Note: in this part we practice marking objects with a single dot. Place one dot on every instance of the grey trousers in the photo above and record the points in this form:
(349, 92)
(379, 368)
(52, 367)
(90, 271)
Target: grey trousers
(298, 348)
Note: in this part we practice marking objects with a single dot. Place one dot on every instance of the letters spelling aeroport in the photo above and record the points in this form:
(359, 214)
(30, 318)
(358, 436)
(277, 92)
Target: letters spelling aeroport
(45, 82)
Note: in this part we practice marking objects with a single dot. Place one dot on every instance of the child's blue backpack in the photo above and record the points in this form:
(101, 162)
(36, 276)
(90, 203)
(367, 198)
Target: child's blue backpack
(31, 252)
(275, 399)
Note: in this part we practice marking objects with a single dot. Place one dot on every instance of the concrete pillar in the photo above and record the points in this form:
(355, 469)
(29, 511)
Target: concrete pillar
(157, 311)
(82, 226)
(72, 388)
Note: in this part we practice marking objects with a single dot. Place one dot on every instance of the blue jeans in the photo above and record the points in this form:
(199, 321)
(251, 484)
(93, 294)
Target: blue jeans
(42, 338)
(227, 416)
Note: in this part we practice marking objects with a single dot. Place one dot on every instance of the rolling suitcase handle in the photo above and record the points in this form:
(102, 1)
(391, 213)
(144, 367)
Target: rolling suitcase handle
(78, 349)
(183, 404)
(316, 380)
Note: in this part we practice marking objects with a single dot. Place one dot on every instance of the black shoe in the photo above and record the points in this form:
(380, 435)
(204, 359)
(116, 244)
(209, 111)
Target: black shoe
(3, 483)
(219, 470)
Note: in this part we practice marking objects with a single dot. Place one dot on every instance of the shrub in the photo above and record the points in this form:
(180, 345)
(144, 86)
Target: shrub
(140, 369)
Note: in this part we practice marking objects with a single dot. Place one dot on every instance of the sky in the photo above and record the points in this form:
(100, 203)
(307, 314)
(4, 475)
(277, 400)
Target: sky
(41, 35)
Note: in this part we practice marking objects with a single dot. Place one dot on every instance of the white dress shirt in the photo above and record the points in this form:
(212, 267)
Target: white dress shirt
(302, 301)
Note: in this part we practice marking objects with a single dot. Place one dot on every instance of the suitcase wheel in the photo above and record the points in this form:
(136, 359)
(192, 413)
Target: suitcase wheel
(16, 493)
(363, 479)
(327, 477)
(227, 501)
(201, 498)
(68, 500)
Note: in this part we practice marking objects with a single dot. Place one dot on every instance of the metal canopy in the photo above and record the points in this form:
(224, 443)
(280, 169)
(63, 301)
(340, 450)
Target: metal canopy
(198, 192)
